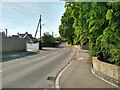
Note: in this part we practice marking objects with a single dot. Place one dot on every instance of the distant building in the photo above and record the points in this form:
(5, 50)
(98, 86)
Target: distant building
(26, 36)
(15, 36)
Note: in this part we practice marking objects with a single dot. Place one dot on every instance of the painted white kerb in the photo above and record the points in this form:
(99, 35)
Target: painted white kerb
(57, 84)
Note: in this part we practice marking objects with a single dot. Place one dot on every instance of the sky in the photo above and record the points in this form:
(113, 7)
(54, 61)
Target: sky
(21, 17)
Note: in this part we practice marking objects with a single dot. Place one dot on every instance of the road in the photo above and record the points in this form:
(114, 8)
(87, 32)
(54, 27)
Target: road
(33, 71)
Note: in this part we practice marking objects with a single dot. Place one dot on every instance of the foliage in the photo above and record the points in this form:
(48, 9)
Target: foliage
(47, 37)
(66, 29)
(59, 39)
(109, 42)
(96, 22)
(48, 40)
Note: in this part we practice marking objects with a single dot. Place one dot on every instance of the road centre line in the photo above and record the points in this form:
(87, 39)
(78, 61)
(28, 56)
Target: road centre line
(37, 59)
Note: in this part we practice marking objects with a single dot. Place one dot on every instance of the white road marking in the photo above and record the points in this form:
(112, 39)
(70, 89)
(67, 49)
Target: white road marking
(38, 58)
(80, 58)
(57, 80)
(57, 84)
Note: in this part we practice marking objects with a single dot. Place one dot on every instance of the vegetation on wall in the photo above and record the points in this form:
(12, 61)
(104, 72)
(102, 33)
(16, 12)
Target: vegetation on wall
(97, 23)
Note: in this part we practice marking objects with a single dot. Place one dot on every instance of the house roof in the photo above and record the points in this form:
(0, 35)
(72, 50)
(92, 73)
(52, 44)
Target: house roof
(15, 36)
(26, 36)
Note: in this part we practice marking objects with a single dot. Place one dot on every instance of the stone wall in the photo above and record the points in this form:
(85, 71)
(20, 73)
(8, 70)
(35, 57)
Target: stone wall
(106, 69)
(85, 46)
(12, 44)
(77, 47)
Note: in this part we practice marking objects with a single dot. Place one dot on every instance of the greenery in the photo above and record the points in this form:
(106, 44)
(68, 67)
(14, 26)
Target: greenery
(59, 39)
(49, 41)
(97, 23)
(66, 29)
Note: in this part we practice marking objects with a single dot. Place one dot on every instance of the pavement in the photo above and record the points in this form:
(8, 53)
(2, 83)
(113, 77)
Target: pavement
(79, 75)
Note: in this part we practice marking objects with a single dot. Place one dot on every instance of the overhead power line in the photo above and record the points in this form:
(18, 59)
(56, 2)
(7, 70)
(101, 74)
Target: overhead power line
(47, 25)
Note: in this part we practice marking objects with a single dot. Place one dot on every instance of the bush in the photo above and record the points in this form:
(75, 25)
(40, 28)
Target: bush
(48, 40)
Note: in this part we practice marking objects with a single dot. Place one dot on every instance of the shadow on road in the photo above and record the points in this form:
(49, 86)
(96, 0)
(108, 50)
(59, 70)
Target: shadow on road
(16, 55)
(46, 49)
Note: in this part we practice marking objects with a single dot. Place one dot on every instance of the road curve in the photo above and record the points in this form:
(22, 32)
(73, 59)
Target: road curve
(33, 71)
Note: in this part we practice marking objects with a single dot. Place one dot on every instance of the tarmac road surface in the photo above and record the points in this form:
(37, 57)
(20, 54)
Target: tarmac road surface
(33, 71)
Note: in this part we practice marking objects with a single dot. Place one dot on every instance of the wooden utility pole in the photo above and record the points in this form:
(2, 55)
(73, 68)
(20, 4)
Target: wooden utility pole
(39, 24)
(37, 28)
(40, 43)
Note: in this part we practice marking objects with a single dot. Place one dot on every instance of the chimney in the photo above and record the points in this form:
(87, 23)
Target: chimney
(6, 32)
(26, 32)
(18, 34)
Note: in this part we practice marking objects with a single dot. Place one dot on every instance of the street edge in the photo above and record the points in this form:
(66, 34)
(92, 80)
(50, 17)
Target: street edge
(102, 78)
(57, 84)
(15, 57)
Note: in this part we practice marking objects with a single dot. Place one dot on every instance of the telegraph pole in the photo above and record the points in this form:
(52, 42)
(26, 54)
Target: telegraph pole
(40, 43)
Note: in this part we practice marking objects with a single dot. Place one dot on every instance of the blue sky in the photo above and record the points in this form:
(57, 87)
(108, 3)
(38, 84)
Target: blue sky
(23, 16)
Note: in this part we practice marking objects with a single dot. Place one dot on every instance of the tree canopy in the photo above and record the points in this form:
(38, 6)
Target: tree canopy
(97, 23)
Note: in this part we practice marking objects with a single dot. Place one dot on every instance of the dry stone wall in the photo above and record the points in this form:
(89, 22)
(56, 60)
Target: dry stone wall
(106, 69)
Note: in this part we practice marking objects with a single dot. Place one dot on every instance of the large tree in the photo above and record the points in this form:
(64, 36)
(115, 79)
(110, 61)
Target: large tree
(109, 42)
(66, 29)
(97, 23)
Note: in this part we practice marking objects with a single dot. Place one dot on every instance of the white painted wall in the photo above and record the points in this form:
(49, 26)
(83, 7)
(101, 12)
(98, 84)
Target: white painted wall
(32, 46)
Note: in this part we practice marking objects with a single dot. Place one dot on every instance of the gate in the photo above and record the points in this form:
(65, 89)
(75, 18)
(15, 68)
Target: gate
(32, 46)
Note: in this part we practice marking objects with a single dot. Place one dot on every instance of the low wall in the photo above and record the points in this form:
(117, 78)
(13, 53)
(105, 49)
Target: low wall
(77, 47)
(107, 71)
(85, 47)
(81, 46)
(12, 44)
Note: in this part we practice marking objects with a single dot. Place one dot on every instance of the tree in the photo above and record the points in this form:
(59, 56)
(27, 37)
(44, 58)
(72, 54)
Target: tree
(97, 23)
(109, 41)
(66, 29)
(59, 39)
(48, 40)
